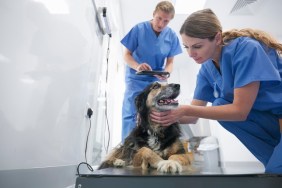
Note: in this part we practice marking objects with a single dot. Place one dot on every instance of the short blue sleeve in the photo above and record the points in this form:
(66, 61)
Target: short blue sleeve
(204, 89)
(252, 62)
(130, 41)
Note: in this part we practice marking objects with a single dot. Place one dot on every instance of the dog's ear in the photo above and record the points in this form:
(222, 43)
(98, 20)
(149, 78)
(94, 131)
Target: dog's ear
(140, 101)
(141, 108)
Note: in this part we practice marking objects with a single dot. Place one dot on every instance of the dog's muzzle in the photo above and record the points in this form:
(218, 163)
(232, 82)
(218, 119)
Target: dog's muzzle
(166, 100)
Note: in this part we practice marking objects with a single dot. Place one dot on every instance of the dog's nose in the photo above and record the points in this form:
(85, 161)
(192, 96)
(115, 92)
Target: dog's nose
(177, 86)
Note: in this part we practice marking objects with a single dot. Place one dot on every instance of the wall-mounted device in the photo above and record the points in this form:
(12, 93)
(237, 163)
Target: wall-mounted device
(103, 21)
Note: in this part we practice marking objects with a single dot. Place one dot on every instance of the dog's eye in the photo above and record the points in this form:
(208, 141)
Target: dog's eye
(156, 86)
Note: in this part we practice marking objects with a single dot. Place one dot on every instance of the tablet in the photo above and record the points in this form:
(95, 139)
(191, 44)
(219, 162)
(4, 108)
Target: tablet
(152, 73)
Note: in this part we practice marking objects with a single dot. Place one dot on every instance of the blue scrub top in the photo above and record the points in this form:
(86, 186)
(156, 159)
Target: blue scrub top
(243, 60)
(147, 47)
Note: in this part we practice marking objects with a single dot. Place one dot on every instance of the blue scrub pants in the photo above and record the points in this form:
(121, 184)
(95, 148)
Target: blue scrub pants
(260, 133)
(133, 88)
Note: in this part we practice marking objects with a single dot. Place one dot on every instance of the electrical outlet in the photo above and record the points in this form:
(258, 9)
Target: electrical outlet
(89, 112)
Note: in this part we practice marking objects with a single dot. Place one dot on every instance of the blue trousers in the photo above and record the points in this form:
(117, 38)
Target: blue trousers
(260, 133)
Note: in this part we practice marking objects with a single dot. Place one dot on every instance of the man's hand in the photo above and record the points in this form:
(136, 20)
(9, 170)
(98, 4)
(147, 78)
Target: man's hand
(143, 67)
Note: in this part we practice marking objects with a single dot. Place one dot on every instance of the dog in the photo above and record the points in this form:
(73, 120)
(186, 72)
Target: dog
(150, 145)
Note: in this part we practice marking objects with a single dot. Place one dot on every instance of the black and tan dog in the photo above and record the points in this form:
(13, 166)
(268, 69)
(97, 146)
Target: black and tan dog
(149, 144)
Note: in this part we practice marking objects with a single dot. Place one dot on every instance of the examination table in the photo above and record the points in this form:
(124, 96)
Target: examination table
(238, 176)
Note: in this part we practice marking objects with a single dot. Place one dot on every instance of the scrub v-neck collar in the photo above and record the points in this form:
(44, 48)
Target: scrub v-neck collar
(154, 33)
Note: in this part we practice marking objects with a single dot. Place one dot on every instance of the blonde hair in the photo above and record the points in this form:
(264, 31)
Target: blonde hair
(166, 7)
(259, 35)
(205, 24)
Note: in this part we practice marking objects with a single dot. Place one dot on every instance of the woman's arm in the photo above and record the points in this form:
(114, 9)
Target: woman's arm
(244, 98)
(191, 119)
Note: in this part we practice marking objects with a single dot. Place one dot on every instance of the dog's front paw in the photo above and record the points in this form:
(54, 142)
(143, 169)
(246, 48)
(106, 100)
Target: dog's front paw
(119, 163)
(169, 166)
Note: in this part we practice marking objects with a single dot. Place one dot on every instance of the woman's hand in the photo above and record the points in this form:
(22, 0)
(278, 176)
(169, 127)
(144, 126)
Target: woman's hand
(166, 118)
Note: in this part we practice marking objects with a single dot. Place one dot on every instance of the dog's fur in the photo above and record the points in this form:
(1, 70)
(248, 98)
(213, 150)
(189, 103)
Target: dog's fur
(149, 144)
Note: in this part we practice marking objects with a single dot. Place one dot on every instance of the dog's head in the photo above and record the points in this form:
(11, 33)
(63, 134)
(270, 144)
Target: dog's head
(159, 96)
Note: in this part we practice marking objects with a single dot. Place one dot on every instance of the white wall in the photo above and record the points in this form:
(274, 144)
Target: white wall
(51, 56)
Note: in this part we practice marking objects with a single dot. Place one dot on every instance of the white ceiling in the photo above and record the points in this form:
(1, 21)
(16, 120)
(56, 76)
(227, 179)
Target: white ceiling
(260, 14)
